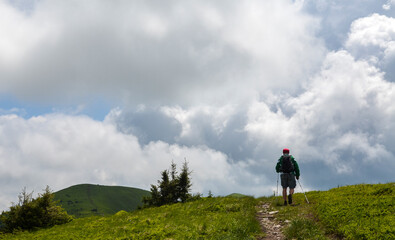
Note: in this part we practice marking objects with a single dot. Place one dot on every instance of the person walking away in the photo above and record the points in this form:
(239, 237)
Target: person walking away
(289, 169)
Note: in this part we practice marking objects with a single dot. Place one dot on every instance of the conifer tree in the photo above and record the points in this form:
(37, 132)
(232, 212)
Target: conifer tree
(165, 188)
(172, 188)
(184, 183)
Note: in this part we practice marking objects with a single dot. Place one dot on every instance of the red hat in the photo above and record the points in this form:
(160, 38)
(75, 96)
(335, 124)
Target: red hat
(285, 150)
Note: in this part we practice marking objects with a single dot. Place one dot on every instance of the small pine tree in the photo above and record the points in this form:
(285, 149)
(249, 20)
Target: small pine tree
(171, 190)
(165, 188)
(173, 185)
(184, 183)
(210, 194)
(154, 200)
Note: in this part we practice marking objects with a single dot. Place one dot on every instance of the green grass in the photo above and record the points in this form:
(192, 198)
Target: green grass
(362, 211)
(299, 221)
(237, 195)
(207, 218)
(86, 200)
(353, 212)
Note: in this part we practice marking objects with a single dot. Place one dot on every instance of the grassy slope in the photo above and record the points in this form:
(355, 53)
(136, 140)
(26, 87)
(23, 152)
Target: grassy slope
(208, 218)
(353, 212)
(88, 200)
(362, 211)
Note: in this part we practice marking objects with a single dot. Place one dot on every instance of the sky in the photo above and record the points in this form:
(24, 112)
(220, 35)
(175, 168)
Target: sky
(111, 92)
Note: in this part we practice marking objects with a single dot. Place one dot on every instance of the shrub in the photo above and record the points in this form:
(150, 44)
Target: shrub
(172, 188)
(31, 213)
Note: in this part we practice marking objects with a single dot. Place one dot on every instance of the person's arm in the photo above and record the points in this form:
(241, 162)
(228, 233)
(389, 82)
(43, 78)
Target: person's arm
(278, 166)
(297, 171)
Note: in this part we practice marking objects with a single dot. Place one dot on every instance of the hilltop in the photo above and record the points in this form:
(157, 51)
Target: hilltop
(88, 200)
(364, 211)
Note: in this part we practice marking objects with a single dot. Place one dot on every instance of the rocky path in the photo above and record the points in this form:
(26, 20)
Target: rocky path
(270, 226)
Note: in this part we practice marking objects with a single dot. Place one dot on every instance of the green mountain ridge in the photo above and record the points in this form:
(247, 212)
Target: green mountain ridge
(86, 200)
(363, 211)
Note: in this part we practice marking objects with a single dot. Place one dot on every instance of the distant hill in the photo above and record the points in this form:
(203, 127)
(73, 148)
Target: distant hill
(88, 200)
(237, 195)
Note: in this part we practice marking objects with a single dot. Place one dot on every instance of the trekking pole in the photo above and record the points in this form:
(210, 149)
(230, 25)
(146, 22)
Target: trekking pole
(303, 192)
(278, 174)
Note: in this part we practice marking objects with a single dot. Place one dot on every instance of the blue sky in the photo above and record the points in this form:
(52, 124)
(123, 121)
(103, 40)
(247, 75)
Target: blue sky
(111, 92)
(96, 108)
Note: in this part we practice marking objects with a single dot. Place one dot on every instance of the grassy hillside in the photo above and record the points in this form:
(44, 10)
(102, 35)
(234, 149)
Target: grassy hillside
(362, 211)
(208, 218)
(88, 200)
(358, 212)
(353, 212)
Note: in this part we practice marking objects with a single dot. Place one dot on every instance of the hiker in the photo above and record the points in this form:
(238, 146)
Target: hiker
(289, 170)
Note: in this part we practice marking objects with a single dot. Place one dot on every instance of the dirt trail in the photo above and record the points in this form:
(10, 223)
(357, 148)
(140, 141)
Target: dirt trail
(270, 226)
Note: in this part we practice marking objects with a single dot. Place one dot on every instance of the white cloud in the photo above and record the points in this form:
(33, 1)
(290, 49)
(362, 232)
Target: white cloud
(225, 84)
(339, 119)
(336, 16)
(60, 150)
(21, 35)
(144, 52)
(389, 5)
(343, 121)
(216, 117)
(373, 38)
(375, 31)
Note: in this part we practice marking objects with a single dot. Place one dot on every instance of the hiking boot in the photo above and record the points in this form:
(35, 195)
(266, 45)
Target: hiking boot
(285, 203)
(290, 199)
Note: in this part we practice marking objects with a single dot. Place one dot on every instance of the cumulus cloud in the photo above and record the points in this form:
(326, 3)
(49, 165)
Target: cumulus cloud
(62, 150)
(226, 85)
(339, 120)
(373, 31)
(389, 5)
(340, 123)
(373, 38)
(147, 124)
(336, 17)
(145, 52)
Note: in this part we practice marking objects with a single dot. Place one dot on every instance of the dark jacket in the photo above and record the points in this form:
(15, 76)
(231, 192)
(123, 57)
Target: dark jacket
(296, 171)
